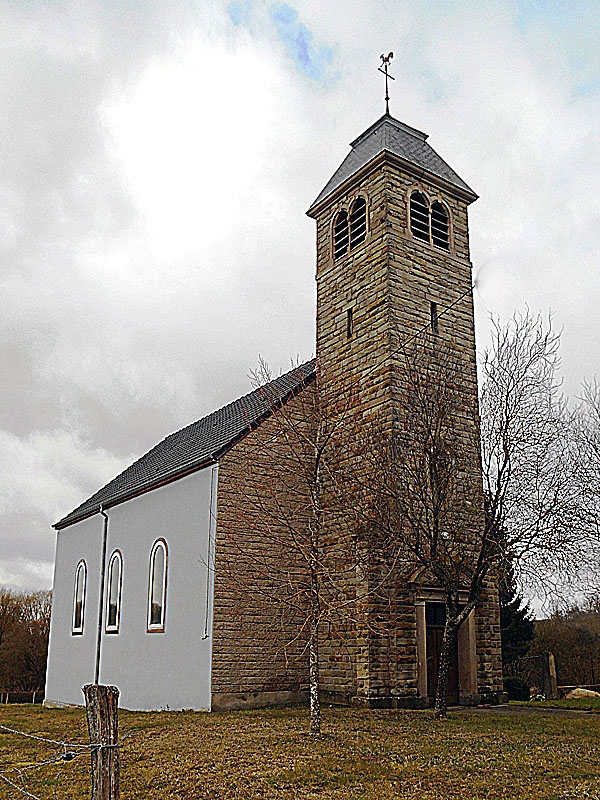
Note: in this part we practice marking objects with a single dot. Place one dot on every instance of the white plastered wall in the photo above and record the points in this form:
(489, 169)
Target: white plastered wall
(152, 670)
(71, 658)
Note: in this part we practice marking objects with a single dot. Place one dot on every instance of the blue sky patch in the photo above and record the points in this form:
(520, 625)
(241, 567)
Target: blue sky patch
(588, 88)
(550, 12)
(239, 12)
(311, 59)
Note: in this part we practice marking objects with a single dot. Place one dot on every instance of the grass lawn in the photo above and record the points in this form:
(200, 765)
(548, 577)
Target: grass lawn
(364, 754)
(576, 703)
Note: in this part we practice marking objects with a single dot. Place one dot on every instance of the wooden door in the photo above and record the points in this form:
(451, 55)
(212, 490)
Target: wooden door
(435, 618)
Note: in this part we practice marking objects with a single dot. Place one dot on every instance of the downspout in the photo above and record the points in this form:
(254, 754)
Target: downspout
(210, 551)
(101, 605)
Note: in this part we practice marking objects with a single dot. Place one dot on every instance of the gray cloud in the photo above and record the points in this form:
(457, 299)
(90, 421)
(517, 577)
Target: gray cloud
(156, 164)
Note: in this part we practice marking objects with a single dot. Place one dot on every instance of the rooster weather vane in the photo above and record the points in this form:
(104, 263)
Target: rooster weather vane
(385, 62)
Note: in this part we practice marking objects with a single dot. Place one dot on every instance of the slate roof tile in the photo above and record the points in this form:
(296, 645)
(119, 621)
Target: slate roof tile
(198, 444)
(395, 137)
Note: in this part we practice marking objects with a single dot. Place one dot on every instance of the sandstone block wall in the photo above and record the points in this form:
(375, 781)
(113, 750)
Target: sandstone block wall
(389, 282)
(258, 645)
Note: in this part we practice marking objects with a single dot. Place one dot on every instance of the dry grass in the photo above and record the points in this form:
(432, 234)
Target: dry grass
(364, 754)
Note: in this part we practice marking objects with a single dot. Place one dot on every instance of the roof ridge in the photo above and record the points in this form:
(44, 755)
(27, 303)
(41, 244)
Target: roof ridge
(179, 452)
(387, 119)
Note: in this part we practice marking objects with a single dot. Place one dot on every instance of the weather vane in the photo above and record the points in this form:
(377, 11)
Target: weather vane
(385, 62)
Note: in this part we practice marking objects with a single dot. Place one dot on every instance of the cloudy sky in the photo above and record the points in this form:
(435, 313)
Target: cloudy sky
(156, 161)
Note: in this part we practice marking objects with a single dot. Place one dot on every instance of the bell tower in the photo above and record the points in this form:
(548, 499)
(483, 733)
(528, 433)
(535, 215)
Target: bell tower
(393, 266)
(392, 258)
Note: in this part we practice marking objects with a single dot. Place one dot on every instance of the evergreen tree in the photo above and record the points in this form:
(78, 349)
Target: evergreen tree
(516, 624)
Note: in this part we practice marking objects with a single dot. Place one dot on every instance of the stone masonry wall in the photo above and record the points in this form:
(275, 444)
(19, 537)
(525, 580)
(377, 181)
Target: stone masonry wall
(258, 648)
(390, 281)
(357, 281)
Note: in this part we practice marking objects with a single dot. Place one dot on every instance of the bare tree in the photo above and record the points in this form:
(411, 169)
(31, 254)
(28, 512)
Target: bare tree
(530, 463)
(588, 459)
(339, 533)
(431, 501)
(427, 494)
(296, 487)
(24, 631)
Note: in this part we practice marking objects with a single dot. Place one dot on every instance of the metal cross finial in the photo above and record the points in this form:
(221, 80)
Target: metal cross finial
(385, 62)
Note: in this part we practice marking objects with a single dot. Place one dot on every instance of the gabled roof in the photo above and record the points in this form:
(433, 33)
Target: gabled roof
(392, 136)
(201, 443)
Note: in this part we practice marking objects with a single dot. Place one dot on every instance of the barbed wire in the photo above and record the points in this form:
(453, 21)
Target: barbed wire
(39, 738)
(21, 770)
(19, 788)
(68, 752)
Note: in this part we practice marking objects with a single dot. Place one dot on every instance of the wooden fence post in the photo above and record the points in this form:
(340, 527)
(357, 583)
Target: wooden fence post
(550, 687)
(102, 708)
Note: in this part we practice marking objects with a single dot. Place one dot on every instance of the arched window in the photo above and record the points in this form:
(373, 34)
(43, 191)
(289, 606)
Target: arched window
(439, 226)
(113, 593)
(340, 235)
(419, 216)
(157, 586)
(79, 597)
(358, 222)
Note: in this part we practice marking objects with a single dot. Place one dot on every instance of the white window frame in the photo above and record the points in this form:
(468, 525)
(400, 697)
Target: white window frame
(115, 557)
(77, 630)
(154, 627)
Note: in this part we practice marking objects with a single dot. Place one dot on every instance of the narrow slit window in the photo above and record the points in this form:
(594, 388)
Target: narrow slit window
(349, 323)
(433, 313)
(157, 588)
(440, 229)
(419, 216)
(113, 593)
(340, 235)
(79, 598)
(358, 222)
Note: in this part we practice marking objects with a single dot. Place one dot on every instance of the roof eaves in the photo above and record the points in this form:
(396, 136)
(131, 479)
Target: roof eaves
(181, 472)
(363, 170)
(420, 172)
(191, 467)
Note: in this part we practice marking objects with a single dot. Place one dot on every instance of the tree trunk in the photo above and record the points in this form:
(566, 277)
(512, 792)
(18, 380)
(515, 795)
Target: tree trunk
(313, 656)
(446, 656)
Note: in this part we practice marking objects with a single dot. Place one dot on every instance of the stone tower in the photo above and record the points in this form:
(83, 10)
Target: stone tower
(393, 265)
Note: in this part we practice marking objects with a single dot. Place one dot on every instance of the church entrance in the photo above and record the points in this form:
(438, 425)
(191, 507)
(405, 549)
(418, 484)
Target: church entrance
(435, 620)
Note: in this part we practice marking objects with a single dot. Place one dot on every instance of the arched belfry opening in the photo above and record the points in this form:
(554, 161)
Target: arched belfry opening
(340, 234)
(358, 222)
(419, 216)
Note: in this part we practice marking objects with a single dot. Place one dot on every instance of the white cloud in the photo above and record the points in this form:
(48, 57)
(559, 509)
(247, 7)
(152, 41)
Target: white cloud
(44, 476)
(158, 163)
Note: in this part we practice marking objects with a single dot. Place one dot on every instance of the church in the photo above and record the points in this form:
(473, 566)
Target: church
(152, 572)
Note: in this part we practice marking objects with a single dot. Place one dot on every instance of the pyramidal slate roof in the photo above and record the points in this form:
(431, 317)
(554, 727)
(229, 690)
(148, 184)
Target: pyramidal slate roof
(388, 134)
(196, 445)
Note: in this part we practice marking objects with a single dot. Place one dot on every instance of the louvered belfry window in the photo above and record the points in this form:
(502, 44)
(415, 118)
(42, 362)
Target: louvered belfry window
(340, 235)
(439, 226)
(358, 222)
(419, 216)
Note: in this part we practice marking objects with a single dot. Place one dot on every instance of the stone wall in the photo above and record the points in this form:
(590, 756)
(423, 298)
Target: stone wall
(389, 282)
(258, 648)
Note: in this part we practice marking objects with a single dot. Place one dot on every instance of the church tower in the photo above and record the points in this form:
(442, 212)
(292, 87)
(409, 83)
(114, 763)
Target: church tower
(393, 267)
